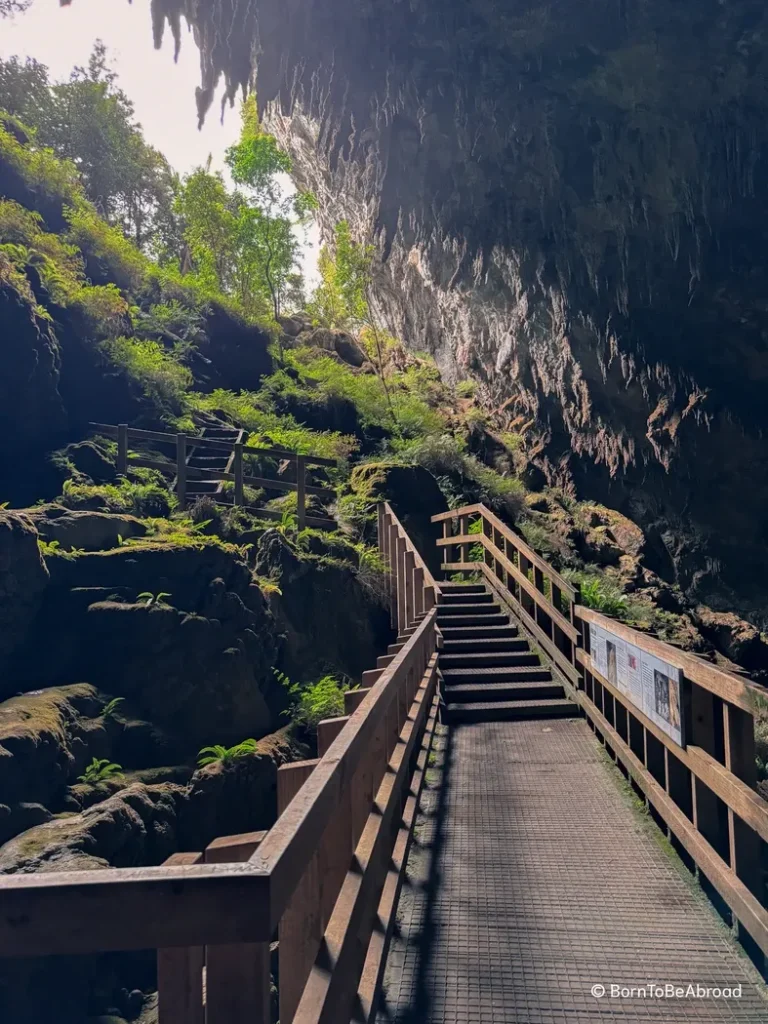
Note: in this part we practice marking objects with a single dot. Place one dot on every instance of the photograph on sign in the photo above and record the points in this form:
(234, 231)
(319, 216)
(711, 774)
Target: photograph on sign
(652, 685)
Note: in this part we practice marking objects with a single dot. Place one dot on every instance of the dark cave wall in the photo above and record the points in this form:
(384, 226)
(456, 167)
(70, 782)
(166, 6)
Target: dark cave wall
(570, 201)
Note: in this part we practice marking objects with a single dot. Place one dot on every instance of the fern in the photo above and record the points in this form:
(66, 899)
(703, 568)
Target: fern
(100, 770)
(111, 707)
(219, 754)
(153, 599)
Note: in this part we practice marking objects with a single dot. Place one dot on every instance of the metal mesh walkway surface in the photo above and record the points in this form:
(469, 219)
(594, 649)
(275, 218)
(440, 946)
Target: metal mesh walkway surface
(532, 878)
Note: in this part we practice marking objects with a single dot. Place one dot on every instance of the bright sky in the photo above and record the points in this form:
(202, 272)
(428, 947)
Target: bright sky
(162, 92)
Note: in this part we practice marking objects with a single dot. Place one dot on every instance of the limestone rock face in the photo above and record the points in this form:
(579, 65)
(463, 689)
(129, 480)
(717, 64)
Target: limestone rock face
(197, 663)
(31, 410)
(569, 203)
(135, 826)
(333, 619)
(86, 531)
(23, 580)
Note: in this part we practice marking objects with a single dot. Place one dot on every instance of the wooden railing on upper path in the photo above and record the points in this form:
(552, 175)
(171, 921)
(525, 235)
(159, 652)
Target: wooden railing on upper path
(182, 444)
(703, 790)
(325, 879)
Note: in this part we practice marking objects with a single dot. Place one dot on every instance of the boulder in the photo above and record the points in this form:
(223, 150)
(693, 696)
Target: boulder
(333, 618)
(23, 580)
(85, 531)
(196, 664)
(340, 342)
(240, 795)
(31, 409)
(91, 459)
(415, 497)
(738, 640)
(46, 738)
(135, 826)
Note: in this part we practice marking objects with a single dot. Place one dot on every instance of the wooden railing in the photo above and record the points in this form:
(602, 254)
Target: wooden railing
(701, 790)
(412, 587)
(176, 466)
(325, 879)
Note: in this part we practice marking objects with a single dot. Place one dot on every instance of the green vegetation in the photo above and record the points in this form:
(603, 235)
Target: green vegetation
(218, 754)
(151, 599)
(109, 709)
(313, 702)
(101, 770)
(145, 495)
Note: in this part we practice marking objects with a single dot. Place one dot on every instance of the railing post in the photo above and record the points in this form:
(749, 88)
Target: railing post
(463, 548)
(301, 928)
(410, 581)
(237, 976)
(385, 549)
(739, 730)
(237, 467)
(447, 532)
(122, 448)
(301, 490)
(181, 470)
(418, 595)
(180, 973)
(401, 586)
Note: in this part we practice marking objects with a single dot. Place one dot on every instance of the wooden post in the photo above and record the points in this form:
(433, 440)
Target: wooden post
(237, 976)
(410, 596)
(301, 491)
(300, 931)
(447, 532)
(418, 592)
(401, 585)
(463, 548)
(237, 467)
(122, 448)
(180, 973)
(739, 730)
(181, 470)
(393, 571)
(708, 812)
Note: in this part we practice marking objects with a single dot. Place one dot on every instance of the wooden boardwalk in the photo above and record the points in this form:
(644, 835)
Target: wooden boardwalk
(535, 876)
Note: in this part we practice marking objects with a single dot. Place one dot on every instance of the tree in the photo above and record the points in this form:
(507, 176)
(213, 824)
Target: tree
(89, 120)
(342, 298)
(9, 7)
(25, 90)
(269, 224)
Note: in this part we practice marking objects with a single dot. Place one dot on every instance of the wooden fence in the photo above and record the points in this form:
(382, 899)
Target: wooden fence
(325, 879)
(183, 444)
(703, 791)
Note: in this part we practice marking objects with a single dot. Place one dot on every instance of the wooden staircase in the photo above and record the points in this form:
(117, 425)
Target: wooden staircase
(210, 461)
(488, 671)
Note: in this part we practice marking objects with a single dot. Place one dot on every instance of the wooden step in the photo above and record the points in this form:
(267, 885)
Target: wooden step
(449, 600)
(464, 588)
(482, 632)
(507, 711)
(484, 621)
(488, 659)
(448, 611)
(484, 645)
(486, 693)
(508, 674)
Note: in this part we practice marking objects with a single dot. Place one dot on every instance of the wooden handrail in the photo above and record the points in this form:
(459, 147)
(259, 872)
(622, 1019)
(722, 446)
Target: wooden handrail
(207, 442)
(346, 815)
(413, 589)
(235, 472)
(683, 781)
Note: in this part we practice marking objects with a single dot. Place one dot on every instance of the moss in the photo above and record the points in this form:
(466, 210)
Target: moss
(45, 711)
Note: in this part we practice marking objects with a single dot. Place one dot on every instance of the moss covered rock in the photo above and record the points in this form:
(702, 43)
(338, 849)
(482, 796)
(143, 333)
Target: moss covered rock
(86, 531)
(23, 580)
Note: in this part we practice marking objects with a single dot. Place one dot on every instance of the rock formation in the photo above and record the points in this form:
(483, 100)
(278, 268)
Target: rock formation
(569, 203)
